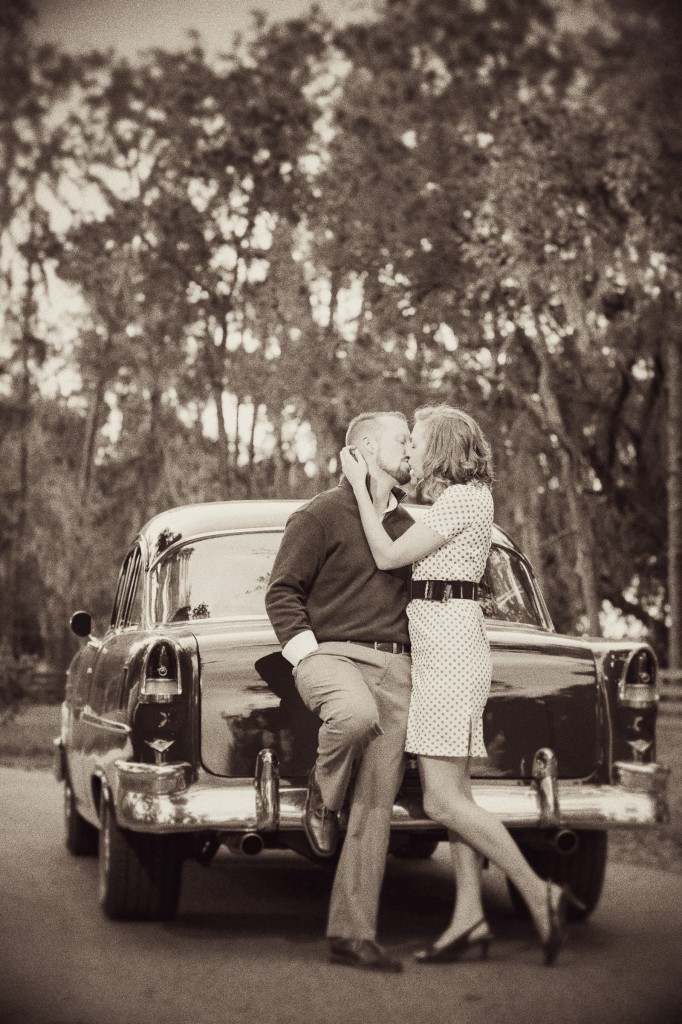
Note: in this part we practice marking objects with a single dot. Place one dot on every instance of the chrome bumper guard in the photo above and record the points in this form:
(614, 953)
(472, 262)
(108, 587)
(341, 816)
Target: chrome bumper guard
(164, 799)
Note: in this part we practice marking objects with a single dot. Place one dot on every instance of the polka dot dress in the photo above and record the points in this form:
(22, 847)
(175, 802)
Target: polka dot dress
(451, 667)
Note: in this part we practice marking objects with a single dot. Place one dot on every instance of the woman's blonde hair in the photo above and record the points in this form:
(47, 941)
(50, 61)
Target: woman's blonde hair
(456, 450)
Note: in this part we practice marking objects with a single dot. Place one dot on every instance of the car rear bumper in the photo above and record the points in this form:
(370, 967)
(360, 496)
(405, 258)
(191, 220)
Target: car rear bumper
(165, 799)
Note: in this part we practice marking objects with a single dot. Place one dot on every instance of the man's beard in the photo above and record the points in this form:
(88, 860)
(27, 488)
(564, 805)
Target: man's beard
(400, 473)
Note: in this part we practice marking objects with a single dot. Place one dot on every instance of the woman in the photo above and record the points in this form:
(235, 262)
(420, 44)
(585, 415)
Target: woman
(452, 669)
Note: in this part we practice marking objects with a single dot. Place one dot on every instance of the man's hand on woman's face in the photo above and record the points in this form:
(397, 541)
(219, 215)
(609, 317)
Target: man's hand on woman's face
(354, 466)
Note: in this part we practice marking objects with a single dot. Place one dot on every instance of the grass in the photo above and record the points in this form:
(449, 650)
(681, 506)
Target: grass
(26, 742)
(26, 735)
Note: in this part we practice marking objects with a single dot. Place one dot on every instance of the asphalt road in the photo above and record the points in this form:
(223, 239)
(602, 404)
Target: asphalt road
(247, 944)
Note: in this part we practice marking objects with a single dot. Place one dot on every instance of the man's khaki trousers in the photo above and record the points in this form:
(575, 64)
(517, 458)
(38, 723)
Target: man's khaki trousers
(362, 696)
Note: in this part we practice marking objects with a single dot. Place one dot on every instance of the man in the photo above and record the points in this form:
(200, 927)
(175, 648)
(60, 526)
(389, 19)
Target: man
(343, 626)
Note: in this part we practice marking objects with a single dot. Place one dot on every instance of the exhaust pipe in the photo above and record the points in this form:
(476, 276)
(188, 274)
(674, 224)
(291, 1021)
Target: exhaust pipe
(564, 840)
(251, 844)
(248, 844)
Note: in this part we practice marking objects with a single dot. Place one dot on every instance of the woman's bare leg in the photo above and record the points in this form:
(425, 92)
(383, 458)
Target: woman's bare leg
(448, 799)
(468, 908)
(466, 868)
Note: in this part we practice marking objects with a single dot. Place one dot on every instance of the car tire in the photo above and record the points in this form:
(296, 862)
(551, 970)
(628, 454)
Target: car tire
(416, 847)
(81, 837)
(139, 875)
(582, 871)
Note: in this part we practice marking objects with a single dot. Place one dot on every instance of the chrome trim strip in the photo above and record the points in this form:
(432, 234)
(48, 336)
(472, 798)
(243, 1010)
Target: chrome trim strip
(645, 698)
(209, 535)
(146, 801)
(92, 718)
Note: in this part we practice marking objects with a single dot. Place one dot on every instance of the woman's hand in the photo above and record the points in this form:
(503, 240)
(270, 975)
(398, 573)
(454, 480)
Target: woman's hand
(354, 467)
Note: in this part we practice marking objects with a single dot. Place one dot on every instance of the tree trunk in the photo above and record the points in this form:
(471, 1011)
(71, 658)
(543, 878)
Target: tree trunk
(674, 488)
(235, 450)
(224, 467)
(159, 449)
(581, 530)
(569, 460)
(279, 488)
(19, 545)
(88, 455)
(25, 424)
(93, 424)
(252, 449)
(527, 511)
(213, 358)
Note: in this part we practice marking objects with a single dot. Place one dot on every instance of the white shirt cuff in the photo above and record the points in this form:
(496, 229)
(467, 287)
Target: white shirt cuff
(300, 646)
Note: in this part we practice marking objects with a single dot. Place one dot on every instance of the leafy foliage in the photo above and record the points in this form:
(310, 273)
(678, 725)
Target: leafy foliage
(474, 203)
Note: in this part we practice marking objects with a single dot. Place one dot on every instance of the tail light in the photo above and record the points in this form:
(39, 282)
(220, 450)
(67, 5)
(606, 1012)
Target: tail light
(160, 717)
(637, 704)
(637, 686)
(161, 683)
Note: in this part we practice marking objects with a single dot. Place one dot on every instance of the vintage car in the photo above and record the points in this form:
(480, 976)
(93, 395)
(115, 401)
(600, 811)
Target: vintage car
(182, 729)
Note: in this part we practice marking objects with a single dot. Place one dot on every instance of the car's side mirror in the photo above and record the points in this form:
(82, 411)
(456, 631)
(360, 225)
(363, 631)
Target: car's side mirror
(81, 623)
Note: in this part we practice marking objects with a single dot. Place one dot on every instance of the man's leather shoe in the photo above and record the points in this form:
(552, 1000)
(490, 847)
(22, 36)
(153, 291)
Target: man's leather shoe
(363, 953)
(320, 825)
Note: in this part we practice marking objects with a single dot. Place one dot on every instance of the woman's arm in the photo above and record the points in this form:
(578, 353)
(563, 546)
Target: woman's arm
(415, 543)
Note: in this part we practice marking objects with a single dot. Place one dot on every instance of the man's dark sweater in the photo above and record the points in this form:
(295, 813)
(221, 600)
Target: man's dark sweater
(325, 577)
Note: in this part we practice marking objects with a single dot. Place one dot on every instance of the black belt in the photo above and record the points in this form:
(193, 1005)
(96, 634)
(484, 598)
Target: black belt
(384, 645)
(443, 590)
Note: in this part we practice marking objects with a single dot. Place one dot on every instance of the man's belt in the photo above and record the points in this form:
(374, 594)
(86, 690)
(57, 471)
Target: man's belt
(385, 645)
(443, 590)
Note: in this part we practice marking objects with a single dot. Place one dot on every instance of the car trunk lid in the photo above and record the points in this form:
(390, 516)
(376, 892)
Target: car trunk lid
(544, 694)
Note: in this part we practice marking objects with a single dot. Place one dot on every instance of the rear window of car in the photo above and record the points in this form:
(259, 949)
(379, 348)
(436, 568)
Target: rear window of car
(226, 576)
(507, 591)
(214, 578)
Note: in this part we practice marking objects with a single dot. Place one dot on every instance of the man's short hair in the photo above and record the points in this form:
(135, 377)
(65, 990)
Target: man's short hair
(360, 423)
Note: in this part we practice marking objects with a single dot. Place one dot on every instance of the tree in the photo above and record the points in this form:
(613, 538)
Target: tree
(196, 178)
(31, 140)
(522, 129)
(473, 203)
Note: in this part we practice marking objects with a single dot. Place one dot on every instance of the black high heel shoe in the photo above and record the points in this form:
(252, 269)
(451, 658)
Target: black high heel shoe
(557, 921)
(454, 950)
